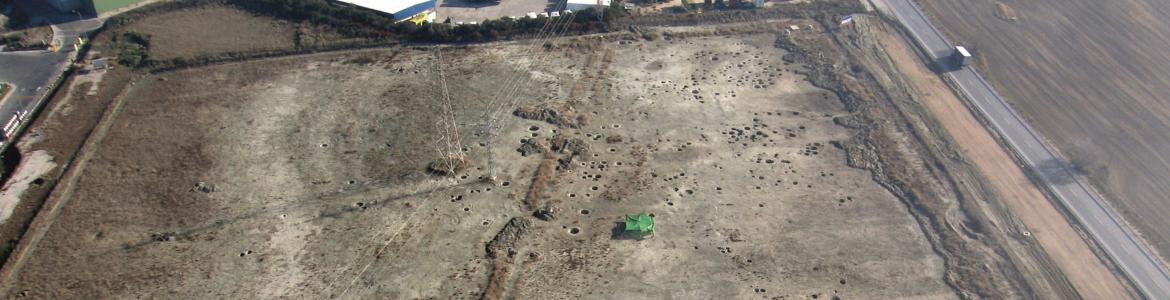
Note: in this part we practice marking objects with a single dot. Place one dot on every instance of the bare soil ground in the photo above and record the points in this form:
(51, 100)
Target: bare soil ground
(214, 29)
(469, 11)
(1039, 219)
(35, 165)
(305, 177)
(1091, 76)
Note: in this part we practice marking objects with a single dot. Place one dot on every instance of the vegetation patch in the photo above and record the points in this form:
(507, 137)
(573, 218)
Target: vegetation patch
(1005, 12)
(36, 38)
(131, 48)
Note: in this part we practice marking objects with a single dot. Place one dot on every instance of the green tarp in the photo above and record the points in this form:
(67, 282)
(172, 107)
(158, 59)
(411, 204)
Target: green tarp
(640, 224)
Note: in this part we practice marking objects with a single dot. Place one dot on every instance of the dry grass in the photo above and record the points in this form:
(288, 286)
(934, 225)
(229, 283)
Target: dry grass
(498, 281)
(545, 176)
(216, 29)
(316, 171)
(449, 166)
(1005, 12)
(563, 114)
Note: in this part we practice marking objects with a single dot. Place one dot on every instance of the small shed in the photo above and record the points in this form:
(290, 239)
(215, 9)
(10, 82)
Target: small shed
(640, 225)
(101, 64)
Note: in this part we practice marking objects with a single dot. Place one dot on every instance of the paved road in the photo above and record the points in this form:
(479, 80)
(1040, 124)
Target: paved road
(32, 72)
(1135, 260)
(29, 72)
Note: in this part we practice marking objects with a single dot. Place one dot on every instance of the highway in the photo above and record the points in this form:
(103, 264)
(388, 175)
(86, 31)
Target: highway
(1133, 258)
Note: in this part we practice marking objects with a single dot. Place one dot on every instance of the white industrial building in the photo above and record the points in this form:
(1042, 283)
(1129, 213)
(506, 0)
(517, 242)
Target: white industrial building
(402, 9)
(578, 5)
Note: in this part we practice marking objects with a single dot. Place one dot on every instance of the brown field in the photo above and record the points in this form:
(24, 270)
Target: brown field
(1092, 76)
(208, 30)
(304, 177)
(778, 167)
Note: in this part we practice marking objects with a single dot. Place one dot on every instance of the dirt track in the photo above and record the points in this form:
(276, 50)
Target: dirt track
(1043, 221)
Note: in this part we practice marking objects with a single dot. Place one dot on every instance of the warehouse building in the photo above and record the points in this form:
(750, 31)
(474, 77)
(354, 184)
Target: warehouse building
(401, 9)
(576, 5)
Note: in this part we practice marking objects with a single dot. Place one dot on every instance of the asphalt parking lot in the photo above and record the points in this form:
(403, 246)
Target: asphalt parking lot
(29, 72)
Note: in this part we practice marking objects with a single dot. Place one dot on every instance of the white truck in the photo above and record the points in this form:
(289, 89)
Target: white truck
(961, 56)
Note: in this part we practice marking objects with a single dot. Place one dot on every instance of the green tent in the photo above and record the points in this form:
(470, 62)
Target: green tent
(640, 224)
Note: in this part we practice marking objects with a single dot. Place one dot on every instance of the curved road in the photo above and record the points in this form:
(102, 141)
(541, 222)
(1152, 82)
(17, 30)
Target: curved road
(1133, 258)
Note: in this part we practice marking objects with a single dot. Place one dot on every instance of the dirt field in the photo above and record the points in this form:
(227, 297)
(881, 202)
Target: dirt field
(1091, 76)
(305, 177)
(220, 30)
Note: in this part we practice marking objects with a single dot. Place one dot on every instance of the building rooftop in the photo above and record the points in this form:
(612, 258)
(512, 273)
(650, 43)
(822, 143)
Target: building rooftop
(402, 9)
(589, 2)
(962, 51)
